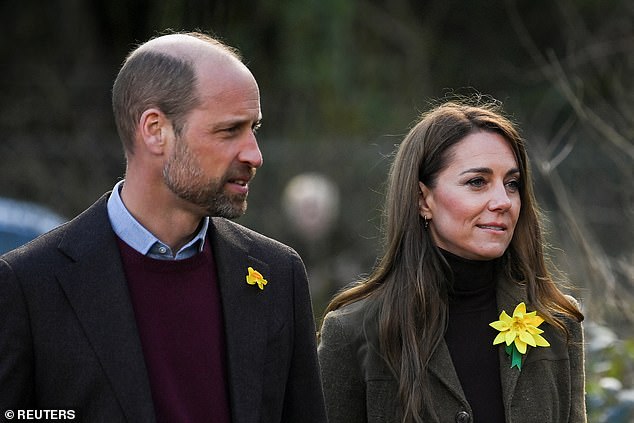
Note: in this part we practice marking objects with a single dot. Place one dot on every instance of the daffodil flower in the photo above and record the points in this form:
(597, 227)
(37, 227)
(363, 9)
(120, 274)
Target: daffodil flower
(255, 278)
(519, 331)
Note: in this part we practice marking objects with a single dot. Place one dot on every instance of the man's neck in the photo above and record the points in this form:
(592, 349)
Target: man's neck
(161, 213)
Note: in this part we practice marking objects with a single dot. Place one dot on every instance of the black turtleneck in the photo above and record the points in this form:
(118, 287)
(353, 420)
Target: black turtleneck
(472, 306)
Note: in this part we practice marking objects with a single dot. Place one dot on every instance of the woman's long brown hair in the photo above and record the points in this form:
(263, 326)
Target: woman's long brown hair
(408, 286)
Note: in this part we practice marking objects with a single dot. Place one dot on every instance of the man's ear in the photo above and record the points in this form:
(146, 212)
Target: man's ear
(155, 130)
(425, 201)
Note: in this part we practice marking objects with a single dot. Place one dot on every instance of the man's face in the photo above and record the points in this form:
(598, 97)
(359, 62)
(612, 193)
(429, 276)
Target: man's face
(217, 154)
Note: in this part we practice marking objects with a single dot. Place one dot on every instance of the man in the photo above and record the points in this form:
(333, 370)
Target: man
(143, 308)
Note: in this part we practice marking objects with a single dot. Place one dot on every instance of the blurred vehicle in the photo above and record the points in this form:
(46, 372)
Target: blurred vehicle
(22, 221)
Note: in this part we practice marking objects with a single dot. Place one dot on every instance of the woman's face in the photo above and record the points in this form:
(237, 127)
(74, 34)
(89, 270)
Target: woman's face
(475, 203)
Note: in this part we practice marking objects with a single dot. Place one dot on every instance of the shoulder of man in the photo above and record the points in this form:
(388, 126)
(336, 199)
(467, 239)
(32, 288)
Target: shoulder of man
(46, 245)
(241, 234)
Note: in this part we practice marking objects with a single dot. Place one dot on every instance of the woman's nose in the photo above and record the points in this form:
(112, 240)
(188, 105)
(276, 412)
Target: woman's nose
(500, 199)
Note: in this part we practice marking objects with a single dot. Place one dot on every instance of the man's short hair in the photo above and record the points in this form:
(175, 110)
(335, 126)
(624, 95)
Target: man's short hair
(150, 78)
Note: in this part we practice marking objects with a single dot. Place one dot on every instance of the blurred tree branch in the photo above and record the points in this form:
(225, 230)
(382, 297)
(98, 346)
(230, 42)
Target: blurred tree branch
(609, 282)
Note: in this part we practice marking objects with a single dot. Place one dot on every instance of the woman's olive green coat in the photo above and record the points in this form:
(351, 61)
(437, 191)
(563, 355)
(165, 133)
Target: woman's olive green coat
(359, 387)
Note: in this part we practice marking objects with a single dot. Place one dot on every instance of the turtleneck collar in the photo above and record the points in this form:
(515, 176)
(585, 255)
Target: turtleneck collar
(471, 277)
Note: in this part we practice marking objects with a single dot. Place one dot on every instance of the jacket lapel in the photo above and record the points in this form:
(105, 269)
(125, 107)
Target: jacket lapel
(442, 367)
(508, 297)
(245, 315)
(95, 286)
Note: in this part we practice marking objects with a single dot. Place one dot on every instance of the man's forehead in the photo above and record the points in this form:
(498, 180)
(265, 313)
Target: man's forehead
(186, 47)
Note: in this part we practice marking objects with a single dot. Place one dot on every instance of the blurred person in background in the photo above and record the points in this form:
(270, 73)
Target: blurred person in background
(460, 321)
(151, 305)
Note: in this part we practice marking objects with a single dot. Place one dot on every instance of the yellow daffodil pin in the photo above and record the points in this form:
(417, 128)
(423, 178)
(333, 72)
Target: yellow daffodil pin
(519, 331)
(255, 278)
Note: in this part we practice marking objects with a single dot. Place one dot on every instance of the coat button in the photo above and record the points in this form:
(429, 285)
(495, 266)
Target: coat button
(462, 417)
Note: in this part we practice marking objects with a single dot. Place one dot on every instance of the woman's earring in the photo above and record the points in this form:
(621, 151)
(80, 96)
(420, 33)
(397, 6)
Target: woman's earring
(426, 221)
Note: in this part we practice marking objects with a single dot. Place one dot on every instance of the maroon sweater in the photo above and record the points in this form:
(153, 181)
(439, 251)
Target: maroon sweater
(179, 318)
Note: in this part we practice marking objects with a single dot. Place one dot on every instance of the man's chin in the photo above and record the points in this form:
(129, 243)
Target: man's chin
(229, 211)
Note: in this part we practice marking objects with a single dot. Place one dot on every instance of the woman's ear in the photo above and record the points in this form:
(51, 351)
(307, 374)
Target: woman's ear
(425, 201)
(155, 130)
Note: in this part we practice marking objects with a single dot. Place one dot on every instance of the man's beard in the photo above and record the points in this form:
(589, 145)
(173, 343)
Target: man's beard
(184, 177)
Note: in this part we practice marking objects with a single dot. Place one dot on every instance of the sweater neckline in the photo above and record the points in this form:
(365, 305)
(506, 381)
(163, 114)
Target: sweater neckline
(470, 277)
(166, 266)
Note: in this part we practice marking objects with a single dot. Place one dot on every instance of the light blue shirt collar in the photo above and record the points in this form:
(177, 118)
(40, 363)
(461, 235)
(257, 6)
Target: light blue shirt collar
(138, 237)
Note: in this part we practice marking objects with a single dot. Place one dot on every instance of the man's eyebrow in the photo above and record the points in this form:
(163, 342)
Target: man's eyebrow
(231, 122)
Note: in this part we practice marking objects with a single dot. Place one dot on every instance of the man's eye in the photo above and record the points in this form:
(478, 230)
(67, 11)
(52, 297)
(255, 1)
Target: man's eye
(231, 130)
(256, 127)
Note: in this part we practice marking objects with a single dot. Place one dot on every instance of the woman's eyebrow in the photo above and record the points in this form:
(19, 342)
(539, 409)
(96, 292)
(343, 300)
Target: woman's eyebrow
(488, 170)
(477, 170)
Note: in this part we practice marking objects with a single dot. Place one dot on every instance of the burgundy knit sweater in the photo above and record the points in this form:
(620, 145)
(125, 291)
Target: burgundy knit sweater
(179, 318)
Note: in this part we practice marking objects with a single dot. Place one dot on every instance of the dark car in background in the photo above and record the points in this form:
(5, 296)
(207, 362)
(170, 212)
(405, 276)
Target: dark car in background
(22, 221)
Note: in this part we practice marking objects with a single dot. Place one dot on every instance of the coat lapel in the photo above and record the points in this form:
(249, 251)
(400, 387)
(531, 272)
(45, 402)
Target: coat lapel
(508, 296)
(245, 315)
(441, 365)
(95, 286)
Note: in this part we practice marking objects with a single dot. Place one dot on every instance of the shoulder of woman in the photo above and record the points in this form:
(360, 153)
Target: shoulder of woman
(350, 314)
(576, 304)
(574, 327)
(572, 300)
(348, 322)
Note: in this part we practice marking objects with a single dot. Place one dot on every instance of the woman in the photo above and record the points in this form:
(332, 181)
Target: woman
(414, 341)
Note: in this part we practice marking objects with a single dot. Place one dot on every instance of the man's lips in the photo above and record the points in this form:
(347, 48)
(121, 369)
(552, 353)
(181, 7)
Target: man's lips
(239, 185)
(240, 182)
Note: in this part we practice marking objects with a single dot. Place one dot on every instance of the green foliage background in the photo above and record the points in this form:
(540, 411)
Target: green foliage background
(341, 82)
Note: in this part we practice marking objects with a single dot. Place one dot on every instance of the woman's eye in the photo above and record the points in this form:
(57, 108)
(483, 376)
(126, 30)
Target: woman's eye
(476, 182)
(513, 186)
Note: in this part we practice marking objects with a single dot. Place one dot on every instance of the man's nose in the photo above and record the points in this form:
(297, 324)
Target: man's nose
(250, 152)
